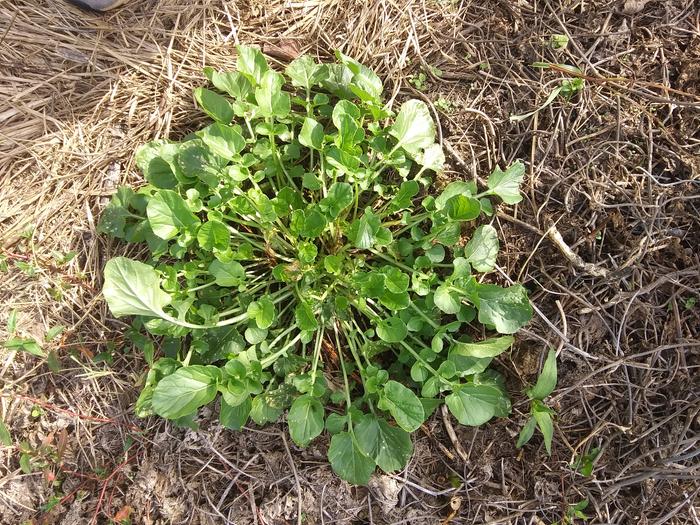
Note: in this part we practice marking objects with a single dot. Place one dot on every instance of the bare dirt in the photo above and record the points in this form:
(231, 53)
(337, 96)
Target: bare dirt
(616, 169)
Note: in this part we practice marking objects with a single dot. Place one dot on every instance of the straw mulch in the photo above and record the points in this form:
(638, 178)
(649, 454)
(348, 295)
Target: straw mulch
(614, 175)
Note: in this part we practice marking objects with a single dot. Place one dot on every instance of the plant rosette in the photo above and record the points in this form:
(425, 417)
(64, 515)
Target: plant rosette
(298, 263)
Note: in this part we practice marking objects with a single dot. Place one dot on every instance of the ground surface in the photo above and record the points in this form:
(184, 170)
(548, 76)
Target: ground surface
(616, 169)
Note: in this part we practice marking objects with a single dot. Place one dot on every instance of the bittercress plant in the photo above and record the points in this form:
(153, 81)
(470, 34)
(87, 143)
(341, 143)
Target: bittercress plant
(301, 261)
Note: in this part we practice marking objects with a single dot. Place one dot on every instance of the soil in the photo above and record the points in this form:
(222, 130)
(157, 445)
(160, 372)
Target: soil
(616, 168)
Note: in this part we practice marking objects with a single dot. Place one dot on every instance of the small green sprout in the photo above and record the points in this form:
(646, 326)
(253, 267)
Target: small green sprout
(541, 414)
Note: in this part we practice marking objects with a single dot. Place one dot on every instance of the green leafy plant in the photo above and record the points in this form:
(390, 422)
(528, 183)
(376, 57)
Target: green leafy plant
(299, 263)
(566, 89)
(574, 512)
(541, 414)
(31, 345)
(558, 42)
(584, 463)
(444, 105)
(419, 81)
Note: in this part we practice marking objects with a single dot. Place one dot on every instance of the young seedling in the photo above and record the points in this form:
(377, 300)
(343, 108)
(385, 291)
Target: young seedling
(541, 414)
(574, 512)
(567, 88)
(584, 463)
(298, 264)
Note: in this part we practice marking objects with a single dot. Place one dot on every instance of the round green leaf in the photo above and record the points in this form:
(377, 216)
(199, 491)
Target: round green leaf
(263, 311)
(184, 391)
(447, 299)
(305, 420)
(389, 446)
(348, 461)
(392, 330)
(482, 249)
(168, 214)
(227, 274)
(213, 234)
(133, 288)
(403, 405)
(474, 405)
(235, 417)
(214, 105)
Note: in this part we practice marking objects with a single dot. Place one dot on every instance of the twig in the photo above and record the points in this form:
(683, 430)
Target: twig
(296, 477)
(574, 258)
(451, 433)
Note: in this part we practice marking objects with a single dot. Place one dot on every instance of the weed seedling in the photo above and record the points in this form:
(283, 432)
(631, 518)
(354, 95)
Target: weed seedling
(443, 105)
(297, 263)
(567, 88)
(541, 414)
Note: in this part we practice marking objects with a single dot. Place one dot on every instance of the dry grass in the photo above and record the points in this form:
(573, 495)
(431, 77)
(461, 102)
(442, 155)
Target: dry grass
(616, 169)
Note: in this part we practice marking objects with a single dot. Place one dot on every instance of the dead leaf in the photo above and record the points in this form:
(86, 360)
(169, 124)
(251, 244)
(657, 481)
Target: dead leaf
(285, 49)
(634, 6)
(123, 514)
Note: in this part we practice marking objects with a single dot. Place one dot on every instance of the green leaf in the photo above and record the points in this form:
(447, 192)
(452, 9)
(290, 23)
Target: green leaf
(403, 405)
(154, 164)
(339, 197)
(433, 158)
(348, 461)
(223, 140)
(395, 280)
(462, 208)
(413, 128)
(272, 101)
(544, 423)
(305, 420)
(25, 463)
(227, 274)
(447, 299)
(389, 446)
(25, 345)
(506, 309)
(487, 348)
(365, 83)
(482, 248)
(133, 288)
(305, 72)
(547, 380)
(234, 83)
(474, 405)
(336, 423)
(53, 332)
(308, 223)
(251, 62)
(235, 417)
(506, 184)
(263, 311)
(404, 196)
(169, 215)
(307, 252)
(262, 411)
(305, 318)
(453, 189)
(392, 330)
(363, 231)
(311, 134)
(5, 437)
(196, 161)
(213, 234)
(214, 105)
(184, 391)
(527, 432)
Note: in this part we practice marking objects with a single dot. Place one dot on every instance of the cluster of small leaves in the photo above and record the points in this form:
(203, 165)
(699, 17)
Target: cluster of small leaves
(299, 262)
(541, 414)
